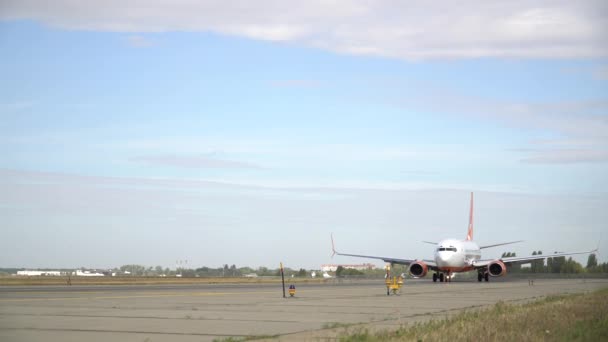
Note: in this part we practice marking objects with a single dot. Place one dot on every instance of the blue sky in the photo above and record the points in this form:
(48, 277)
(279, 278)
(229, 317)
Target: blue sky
(173, 123)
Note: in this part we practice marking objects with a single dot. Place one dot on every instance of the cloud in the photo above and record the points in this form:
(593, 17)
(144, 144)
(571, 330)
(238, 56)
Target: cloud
(420, 173)
(397, 29)
(594, 72)
(196, 162)
(579, 129)
(139, 41)
(16, 106)
(582, 128)
(291, 153)
(601, 73)
(157, 221)
(566, 151)
(566, 156)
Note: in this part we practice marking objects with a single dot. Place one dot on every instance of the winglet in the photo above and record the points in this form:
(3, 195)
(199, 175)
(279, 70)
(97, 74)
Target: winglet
(333, 248)
(596, 251)
(470, 231)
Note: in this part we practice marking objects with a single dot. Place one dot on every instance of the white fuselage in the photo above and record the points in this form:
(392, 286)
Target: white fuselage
(453, 255)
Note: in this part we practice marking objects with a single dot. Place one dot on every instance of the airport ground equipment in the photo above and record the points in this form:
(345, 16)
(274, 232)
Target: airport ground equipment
(292, 290)
(393, 283)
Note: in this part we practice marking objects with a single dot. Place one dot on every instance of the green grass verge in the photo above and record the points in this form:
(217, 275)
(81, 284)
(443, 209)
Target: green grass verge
(581, 317)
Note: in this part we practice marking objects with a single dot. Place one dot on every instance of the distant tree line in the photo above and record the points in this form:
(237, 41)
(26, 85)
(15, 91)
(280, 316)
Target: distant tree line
(559, 264)
(225, 271)
(211, 272)
(552, 265)
(343, 272)
(159, 271)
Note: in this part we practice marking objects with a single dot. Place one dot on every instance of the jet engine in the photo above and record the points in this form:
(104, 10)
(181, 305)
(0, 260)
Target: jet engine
(497, 268)
(418, 269)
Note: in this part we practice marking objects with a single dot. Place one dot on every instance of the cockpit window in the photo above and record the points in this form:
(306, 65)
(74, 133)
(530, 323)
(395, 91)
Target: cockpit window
(451, 249)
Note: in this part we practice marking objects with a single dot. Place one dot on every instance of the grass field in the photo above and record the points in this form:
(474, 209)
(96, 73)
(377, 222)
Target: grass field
(582, 317)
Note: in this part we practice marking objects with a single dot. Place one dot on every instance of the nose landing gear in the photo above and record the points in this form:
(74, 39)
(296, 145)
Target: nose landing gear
(447, 277)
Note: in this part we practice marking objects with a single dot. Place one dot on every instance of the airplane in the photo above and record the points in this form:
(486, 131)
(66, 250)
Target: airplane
(453, 255)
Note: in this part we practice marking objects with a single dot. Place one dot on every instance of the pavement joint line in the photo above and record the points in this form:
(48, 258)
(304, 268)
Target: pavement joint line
(157, 295)
(148, 295)
(154, 317)
(126, 332)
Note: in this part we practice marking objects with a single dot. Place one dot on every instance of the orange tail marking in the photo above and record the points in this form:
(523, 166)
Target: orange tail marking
(470, 232)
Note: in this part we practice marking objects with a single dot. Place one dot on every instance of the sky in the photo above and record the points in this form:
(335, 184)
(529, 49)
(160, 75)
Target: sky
(229, 132)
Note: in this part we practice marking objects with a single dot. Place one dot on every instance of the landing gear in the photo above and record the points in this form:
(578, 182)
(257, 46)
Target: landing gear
(479, 276)
(442, 277)
(487, 276)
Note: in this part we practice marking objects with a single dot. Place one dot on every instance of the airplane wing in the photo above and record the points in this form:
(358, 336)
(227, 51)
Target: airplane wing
(430, 263)
(527, 259)
(385, 259)
(500, 244)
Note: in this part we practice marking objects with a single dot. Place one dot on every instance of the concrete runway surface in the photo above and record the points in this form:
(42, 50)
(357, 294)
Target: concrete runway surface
(208, 312)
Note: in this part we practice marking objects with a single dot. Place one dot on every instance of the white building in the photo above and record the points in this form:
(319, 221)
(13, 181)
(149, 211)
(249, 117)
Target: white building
(38, 273)
(80, 273)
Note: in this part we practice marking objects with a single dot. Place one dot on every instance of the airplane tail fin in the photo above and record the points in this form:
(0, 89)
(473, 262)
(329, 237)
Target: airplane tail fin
(470, 231)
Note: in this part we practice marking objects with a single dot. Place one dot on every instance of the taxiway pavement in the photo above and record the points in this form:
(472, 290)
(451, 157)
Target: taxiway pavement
(208, 312)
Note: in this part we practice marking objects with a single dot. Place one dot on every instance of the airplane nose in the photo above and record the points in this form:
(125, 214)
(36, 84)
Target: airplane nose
(444, 257)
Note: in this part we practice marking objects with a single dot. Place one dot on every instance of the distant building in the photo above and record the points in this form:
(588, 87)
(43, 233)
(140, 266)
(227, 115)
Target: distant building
(38, 273)
(80, 273)
(334, 267)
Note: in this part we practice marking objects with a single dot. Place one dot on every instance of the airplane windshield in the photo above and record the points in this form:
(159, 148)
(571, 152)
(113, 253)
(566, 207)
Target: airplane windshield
(451, 249)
